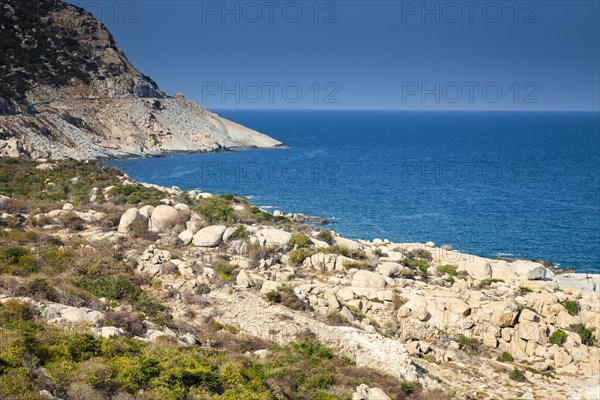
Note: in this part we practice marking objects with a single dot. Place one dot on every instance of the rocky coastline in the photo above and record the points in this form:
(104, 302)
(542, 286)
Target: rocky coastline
(468, 326)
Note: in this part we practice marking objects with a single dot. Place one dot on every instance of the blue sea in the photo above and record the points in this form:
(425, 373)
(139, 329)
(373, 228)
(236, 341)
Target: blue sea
(512, 184)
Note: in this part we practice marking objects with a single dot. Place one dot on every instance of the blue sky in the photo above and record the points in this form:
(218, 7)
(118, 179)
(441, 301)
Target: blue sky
(480, 55)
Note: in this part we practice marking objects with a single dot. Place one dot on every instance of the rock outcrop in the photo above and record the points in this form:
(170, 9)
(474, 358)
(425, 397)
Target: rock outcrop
(68, 91)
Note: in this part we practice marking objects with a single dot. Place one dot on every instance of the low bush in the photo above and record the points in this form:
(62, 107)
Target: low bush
(286, 296)
(335, 318)
(517, 375)
(217, 210)
(40, 288)
(586, 334)
(299, 255)
(416, 264)
(135, 194)
(346, 252)
(361, 265)
(240, 232)
(485, 283)
(224, 272)
(558, 337)
(326, 236)
(571, 306)
(505, 357)
(419, 255)
(273, 296)
(447, 269)
(469, 345)
(17, 261)
(357, 312)
(524, 290)
(407, 274)
(300, 240)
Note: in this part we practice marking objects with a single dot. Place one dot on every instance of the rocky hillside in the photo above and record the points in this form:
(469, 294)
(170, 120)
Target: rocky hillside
(116, 289)
(68, 90)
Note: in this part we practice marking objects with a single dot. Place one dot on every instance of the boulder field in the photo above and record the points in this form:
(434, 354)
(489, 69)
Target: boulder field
(419, 312)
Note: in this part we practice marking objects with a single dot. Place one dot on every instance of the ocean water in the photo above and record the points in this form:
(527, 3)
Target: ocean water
(505, 183)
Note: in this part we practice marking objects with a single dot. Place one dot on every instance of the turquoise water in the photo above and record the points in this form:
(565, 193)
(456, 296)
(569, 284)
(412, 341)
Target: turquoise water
(512, 184)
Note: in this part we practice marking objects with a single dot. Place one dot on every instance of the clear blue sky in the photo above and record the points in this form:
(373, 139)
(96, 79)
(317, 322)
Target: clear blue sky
(483, 55)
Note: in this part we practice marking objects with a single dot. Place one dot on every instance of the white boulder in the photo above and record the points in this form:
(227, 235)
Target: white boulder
(164, 218)
(186, 237)
(475, 266)
(210, 236)
(529, 270)
(368, 279)
(273, 237)
(129, 219)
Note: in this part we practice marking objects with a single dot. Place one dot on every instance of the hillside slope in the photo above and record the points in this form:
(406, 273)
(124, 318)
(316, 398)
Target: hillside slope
(68, 90)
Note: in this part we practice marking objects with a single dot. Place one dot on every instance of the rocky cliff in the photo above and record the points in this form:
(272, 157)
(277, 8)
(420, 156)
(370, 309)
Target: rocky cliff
(68, 91)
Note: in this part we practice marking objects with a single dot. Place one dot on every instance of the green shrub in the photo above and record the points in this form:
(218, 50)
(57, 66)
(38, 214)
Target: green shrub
(310, 348)
(558, 337)
(407, 388)
(429, 358)
(357, 312)
(517, 375)
(17, 261)
(416, 264)
(115, 287)
(361, 265)
(420, 254)
(224, 271)
(488, 282)
(468, 345)
(586, 335)
(134, 194)
(41, 288)
(299, 255)
(524, 290)
(407, 274)
(571, 306)
(346, 252)
(300, 240)
(321, 380)
(217, 210)
(326, 236)
(505, 357)
(447, 269)
(285, 296)
(273, 296)
(240, 232)
(336, 318)
(231, 329)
